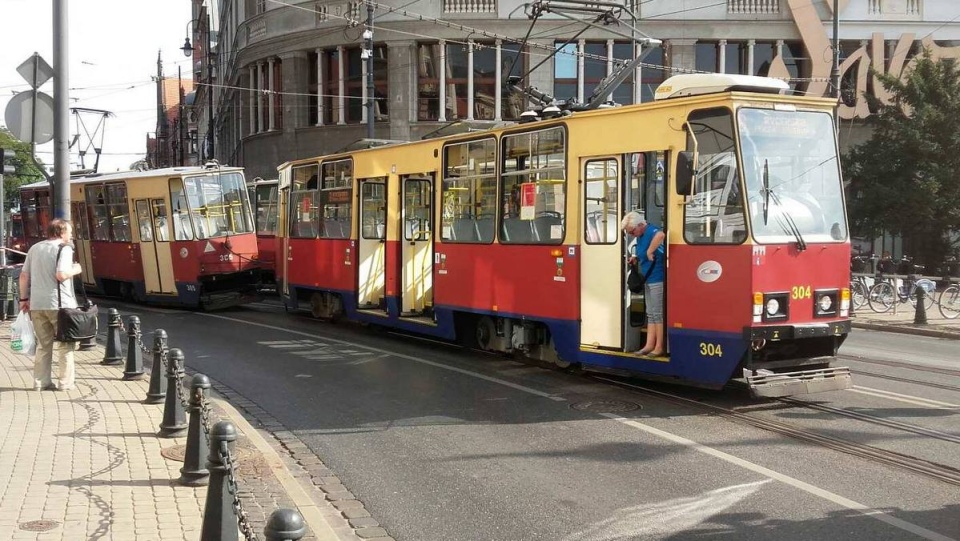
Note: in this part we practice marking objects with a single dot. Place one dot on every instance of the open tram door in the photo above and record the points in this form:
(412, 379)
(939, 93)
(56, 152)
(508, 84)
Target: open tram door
(611, 317)
(372, 244)
(416, 246)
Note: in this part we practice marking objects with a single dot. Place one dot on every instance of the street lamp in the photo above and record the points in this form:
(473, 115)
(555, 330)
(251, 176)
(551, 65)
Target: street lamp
(188, 51)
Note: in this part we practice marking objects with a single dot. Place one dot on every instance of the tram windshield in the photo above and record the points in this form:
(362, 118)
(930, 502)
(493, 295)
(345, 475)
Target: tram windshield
(219, 205)
(792, 175)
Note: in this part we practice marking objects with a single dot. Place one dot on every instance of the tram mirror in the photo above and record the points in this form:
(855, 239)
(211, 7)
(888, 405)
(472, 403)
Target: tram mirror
(686, 169)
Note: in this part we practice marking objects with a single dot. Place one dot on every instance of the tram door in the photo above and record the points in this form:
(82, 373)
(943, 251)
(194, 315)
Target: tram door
(155, 246)
(81, 239)
(601, 296)
(416, 246)
(371, 245)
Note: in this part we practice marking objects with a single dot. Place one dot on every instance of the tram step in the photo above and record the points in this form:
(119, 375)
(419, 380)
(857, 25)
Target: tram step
(799, 382)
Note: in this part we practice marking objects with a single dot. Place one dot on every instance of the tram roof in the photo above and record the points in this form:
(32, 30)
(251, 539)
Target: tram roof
(164, 172)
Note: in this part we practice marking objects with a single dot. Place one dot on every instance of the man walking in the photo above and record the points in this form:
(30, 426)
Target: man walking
(42, 277)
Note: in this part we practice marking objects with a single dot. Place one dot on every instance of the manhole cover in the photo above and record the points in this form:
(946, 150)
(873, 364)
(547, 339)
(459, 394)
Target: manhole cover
(39, 525)
(177, 452)
(605, 406)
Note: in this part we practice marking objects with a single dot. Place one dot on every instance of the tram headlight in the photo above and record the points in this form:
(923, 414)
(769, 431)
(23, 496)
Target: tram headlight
(827, 303)
(776, 306)
(773, 306)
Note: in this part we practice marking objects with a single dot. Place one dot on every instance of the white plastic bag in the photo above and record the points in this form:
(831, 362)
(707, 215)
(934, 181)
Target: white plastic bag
(22, 338)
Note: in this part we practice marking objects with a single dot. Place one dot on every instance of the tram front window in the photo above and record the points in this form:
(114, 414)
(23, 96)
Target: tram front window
(218, 205)
(792, 175)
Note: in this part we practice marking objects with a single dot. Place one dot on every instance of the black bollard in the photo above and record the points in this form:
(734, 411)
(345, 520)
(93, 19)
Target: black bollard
(114, 351)
(134, 366)
(219, 519)
(174, 422)
(157, 391)
(920, 317)
(284, 525)
(193, 473)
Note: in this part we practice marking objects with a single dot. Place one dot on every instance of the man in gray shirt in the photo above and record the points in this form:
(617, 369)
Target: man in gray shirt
(42, 277)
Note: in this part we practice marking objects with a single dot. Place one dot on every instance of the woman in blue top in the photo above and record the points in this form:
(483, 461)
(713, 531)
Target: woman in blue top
(649, 251)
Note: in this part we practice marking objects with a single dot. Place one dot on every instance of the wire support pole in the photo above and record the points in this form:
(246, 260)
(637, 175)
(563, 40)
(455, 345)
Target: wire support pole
(368, 51)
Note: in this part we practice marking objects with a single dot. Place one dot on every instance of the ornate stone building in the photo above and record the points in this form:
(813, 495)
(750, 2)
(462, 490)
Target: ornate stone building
(289, 78)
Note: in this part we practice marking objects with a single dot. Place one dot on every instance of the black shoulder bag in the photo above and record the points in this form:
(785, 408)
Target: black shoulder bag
(635, 280)
(75, 324)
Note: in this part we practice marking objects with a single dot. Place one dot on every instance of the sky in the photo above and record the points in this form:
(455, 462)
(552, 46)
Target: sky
(112, 58)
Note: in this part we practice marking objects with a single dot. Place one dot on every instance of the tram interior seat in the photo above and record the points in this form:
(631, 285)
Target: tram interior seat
(517, 231)
(543, 226)
(332, 229)
(486, 228)
(465, 229)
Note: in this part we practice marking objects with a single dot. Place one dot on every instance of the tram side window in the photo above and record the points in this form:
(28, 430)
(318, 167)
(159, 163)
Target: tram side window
(469, 192)
(714, 214)
(602, 224)
(30, 224)
(119, 212)
(304, 211)
(416, 208)
(533, 184)
(97, 211)
(43, 211)
(373, 197)
(182, 228)
(266, 199)
(646, 174)
(160, 219)
(335, 197)
(79, 210)
(144, 221)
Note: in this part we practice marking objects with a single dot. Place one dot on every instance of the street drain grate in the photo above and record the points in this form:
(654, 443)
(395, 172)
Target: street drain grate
(39, 525)
(605, 406)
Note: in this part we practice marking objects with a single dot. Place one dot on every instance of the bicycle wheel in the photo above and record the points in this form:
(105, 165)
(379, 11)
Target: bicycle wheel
(858, 294)
(929, 287)
(950, 302)
(881, 297)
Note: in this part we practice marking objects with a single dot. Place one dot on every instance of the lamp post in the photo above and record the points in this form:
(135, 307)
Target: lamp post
(367, 54)
(188, 51)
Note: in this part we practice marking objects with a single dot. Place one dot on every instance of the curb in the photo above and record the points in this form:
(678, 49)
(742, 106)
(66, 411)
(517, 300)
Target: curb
(919, 331)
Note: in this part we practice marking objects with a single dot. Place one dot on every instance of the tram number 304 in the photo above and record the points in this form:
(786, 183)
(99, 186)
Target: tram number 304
(710, 350)
(800, 292)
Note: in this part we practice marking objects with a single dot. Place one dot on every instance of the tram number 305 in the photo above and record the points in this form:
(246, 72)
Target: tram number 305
(710, 350)
(226, 257)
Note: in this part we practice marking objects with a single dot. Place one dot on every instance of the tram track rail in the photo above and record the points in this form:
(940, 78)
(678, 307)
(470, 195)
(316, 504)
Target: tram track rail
(919, 466)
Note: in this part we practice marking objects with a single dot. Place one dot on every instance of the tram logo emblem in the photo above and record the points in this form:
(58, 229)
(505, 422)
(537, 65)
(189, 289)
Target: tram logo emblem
(709, 271)
(184, 253)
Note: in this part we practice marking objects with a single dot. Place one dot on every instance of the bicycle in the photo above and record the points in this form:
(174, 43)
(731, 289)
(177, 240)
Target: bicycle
(949, 302)
(883, 295)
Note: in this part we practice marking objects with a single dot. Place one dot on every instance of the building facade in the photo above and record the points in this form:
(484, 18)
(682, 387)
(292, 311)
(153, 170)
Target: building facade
(288, 78)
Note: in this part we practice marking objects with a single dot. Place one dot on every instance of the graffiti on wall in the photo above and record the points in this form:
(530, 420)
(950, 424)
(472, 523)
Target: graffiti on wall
(872, 53)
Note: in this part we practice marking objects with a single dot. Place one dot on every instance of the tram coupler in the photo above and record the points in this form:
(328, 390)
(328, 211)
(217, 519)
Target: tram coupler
(174, 422)
(194, 472)
(920, 316)
(113, 354)
(157, 390)
(219, 519)
(134, 366)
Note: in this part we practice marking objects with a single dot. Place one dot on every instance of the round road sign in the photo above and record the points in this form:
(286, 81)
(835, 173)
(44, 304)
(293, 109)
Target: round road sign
(19, 117)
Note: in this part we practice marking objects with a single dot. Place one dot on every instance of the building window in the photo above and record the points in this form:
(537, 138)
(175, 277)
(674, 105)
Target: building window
(565, 72)
(457, 81)
(261, 6)
(652, 73)
(596, 65)
(353, 85)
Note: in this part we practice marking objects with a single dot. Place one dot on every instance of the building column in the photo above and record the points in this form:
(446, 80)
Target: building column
(581, 48)
(252, 106)
(320, 87)
(637, 75)
(271, 97)
(341, 88)
(259, 96)
(498, 89)
(401, 99)
(751, 45)
(469, 80)
(443, 82)
(683, 55)
(722, 56)
(609, 57)
(294, 87)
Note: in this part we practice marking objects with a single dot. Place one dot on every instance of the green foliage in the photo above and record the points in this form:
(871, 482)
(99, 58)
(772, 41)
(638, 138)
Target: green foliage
(27, 171)
(906, 178)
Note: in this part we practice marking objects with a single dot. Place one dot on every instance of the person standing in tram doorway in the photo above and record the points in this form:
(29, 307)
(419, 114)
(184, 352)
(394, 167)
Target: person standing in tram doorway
(649, 253)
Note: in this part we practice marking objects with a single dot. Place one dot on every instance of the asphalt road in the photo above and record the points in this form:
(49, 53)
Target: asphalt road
(442, 443)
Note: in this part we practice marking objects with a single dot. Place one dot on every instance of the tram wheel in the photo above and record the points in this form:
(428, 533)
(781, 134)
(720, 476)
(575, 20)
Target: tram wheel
(485, 331)
(317, 305)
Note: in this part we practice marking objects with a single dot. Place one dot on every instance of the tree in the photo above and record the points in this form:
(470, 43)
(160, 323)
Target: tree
(906, 178)
(27, 171)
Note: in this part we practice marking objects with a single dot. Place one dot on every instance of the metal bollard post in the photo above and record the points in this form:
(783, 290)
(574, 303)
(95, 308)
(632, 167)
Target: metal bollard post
(134, 366)
(920, 316)
(114, 352)
(157, 391)
(193, 473)
(174, 422)
(219, 519)
(285, 525)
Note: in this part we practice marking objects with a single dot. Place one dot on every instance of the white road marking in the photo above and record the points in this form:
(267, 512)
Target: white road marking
(667, 517)
(699, 447)
(915, 400)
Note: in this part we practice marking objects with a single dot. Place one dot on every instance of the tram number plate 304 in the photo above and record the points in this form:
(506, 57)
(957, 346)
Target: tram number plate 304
(711, 350)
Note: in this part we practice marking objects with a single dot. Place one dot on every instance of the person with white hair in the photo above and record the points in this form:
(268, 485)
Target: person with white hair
(649, 253)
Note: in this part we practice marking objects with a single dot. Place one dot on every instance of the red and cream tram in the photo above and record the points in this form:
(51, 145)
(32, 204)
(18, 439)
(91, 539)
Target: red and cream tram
(509, 240)
(179, 236)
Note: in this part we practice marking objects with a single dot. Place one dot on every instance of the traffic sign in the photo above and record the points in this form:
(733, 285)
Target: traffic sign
(35, 66)
(19, 117)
